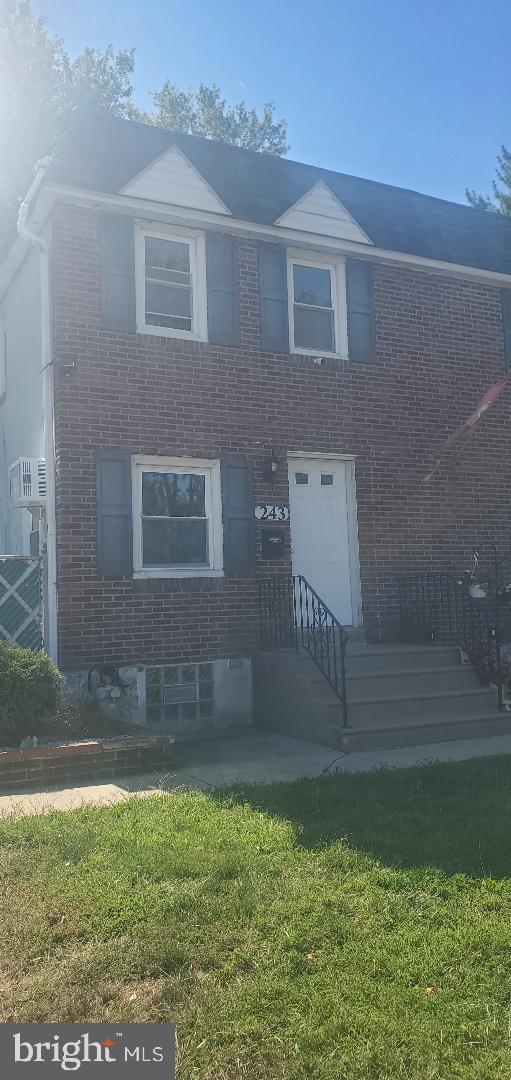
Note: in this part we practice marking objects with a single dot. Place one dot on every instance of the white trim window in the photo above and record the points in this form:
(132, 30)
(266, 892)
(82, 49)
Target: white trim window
(171, 283)
(177, 517)
(317, 306)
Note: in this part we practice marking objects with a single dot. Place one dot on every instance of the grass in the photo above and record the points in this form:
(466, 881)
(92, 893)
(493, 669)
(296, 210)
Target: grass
(352, 927)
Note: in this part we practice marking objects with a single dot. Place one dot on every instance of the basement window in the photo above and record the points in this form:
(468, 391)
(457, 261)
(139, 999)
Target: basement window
(179, 695)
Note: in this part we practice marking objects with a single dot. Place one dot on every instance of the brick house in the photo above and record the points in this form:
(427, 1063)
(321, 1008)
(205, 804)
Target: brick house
(236, 366)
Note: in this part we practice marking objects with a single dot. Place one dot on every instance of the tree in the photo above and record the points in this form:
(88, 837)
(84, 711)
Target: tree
(40, 85)
(31, 64)
(102, 80)
(205, 112)
(39, 88)
(502, 204)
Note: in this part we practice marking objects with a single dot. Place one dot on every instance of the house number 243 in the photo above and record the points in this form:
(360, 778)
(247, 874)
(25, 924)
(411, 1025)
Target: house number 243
(272, 513)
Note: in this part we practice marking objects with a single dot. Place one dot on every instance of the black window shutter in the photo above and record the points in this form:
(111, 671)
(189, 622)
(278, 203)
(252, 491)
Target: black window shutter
(238, 517)
(506, 323)
(360, 300)
(118, 272)
(273, 288)
(222, 281)
(114, 514)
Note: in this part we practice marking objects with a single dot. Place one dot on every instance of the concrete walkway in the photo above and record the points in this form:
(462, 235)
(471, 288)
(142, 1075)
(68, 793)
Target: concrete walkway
(251, 757)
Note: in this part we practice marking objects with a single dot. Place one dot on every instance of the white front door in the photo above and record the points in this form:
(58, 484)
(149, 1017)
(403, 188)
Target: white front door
(323, 532)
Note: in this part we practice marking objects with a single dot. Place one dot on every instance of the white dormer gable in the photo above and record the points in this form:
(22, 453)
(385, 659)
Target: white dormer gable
(172, 178)
(319, 211)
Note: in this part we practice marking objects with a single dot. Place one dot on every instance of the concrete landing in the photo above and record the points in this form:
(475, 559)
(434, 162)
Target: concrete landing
(249, 758)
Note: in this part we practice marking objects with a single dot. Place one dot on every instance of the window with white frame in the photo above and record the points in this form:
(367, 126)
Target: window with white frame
(177, 517)
(317, 306)
(171, 284)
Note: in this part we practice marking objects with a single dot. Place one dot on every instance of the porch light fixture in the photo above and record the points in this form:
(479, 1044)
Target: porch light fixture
(271, 465)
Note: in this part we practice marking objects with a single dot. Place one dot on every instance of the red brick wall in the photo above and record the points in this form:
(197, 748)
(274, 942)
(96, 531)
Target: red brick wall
(97, 759)
(439, 347)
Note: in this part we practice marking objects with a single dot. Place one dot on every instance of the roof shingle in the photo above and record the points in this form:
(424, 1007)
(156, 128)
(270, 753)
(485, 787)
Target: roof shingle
(102, 153)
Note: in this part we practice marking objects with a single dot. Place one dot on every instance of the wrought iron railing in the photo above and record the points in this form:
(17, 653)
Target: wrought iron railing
(434, 607)
(293, 615)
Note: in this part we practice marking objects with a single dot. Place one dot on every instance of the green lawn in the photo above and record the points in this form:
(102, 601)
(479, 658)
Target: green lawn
(348, 927)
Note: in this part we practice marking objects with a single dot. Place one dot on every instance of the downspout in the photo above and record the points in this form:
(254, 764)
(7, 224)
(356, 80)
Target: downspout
(48, 410)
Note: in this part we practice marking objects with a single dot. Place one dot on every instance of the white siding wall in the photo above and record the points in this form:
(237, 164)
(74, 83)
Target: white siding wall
(320, 212)
(172, 179)
(21, 409)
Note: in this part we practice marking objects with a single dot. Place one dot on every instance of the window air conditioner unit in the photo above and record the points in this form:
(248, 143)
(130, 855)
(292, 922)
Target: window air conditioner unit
(27, 483)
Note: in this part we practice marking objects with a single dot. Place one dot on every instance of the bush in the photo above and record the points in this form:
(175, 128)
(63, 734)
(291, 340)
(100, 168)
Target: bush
(82, 720)
(29, 693)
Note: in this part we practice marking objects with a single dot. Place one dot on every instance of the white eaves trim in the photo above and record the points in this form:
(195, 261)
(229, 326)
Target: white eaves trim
(320, 211)
(160, 212)
(175, 215)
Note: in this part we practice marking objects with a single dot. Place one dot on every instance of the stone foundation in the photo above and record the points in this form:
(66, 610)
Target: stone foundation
(98, 759)
(122, 693)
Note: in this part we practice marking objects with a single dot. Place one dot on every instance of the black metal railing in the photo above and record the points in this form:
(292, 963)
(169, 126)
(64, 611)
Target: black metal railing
(434, 607)
(293, 615)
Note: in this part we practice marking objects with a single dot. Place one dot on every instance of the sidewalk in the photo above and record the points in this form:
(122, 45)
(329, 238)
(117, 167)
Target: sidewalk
(252, 757)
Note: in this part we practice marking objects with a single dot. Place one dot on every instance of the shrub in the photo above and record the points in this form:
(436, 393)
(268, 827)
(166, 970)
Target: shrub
(29, 693)
(81, 720)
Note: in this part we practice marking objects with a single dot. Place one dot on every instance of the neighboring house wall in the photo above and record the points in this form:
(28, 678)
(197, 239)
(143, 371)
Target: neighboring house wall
(21, 407)
(439, 346)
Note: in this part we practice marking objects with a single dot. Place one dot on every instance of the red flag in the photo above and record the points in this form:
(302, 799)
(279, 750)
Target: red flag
(489, 398)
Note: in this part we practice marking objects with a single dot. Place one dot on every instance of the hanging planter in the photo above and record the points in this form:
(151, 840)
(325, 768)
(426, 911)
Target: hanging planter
(478, 590)
(474, 583)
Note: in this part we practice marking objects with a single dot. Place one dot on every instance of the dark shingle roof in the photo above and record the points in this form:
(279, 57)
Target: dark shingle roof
(102, 153)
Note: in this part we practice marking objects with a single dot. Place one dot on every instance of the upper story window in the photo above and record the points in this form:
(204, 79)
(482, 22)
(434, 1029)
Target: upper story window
(171, 284)
(176, 517)
(317, 306)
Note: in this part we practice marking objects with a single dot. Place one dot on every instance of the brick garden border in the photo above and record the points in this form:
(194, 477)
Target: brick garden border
(95, 759)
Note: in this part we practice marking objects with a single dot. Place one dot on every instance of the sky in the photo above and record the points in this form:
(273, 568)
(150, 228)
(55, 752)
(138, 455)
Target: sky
(410, 92)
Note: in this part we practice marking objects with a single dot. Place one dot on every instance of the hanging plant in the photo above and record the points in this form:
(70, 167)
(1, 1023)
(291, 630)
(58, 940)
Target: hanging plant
(474, 582)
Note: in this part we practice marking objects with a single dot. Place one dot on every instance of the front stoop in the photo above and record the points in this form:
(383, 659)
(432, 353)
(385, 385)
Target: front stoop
(398, 695)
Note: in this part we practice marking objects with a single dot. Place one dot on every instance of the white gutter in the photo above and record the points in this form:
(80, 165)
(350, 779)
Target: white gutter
(48, 411)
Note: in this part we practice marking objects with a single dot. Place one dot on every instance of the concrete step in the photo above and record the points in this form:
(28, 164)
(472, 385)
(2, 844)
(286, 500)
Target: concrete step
(410, 680)
(375, 658)
(379, 686)
(317, 727)
(356, 635)
(399, 696)
(380, 737)
(392, 685)
(441, 729)
(410, 709)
